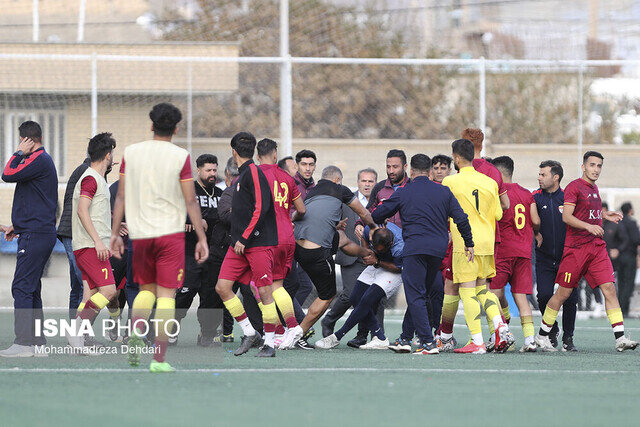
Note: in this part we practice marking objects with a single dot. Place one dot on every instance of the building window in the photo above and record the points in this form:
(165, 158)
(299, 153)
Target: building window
(52, 122)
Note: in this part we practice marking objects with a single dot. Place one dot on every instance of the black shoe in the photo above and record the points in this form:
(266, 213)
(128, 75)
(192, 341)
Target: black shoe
(227, 338)
(266, 351)
(567, 344)
(204, 341)
(401, 346)
(428, 348)
(247, 343)
(553, 337)
(303, 344)
(357, 342)
(311, 332)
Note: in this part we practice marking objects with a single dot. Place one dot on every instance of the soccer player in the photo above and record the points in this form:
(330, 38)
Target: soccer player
(380, 279)
(288, 165)
(200, 278)
(286, 197)
(254, 237)
(91, 230)
(585, 253)
(513, 256)
(440, 168)
(478, 197)
(316, 242)
(425, 208)
(157, 193)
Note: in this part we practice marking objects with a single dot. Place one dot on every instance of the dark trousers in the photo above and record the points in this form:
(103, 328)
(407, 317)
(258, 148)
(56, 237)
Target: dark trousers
(546, 272)
(434, 301)
(34, 250)
(305, 286)
(291, 285)
(627, 267)
(343, 302)
(75, 278)
(131, 288)
(418, 274)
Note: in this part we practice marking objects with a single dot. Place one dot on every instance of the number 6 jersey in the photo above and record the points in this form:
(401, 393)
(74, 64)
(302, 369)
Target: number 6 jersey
(515, 226)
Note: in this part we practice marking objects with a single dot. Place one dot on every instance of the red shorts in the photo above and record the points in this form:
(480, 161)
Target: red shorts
(256, 261)
(445, 267)
(159, 260)
(282, 260)
(516, 271)
(95, 272)
(590, 261)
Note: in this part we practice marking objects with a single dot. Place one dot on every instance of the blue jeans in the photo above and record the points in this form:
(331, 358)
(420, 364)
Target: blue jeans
(75, 276)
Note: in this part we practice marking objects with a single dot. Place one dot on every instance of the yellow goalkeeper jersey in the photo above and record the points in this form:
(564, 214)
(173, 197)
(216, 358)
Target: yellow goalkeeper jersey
(478, 197)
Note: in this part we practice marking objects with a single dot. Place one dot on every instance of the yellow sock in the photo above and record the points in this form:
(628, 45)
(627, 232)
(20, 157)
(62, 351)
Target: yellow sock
(80, 307)
(269, 314)
(472, 310)
(260, 305)
(505, 313)
(491, 305)
(114, 314)
(615, 318)
(99, 300)
(549, 317)
(142, 306)
(284, 302)
(527, 325)
(234, 306)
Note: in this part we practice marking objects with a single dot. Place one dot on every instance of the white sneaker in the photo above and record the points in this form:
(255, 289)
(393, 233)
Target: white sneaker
(624, 343)
(38, 351)
(544, 343)
(327, 342)
(76, 341)
(277, 340)
(376, 344)
(291, 337)
(17, 350)
(529, 348)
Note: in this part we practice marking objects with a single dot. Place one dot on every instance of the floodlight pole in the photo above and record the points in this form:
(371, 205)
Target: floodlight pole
(286, 89)
(94, 94)
(36, 21)
(189, 108)
(482, 101)
(81, 18)
(580, 115)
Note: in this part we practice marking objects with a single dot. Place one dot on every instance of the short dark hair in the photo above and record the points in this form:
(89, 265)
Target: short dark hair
(382, 237)
(463, 148)
(165, 118)
(591, 154)
(421, 163)
(626, 208)
(206, 158)
(266, 146)
(244, 143)
(505, 163)
(305, 153)
(31, 129)
(282, 163)
(100, 145)
(555, 166)
(605, 206)
(441, 158)
(398, 153)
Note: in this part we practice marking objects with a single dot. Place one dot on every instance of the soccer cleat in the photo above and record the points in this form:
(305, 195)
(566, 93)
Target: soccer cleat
(227, 338)
(135, 344)
(567, 344)
(303, 344)
(401, 346)
(471, 348)
(553, 337)
(357, 341)
(160, 367)
(504, 338)
(277, 340)
(247, 343)
(17, 350)
(491, 345)
(328, 342)
(291, 337)
(173, 341)
(428, 348)
(544, 343)
(624, 343)
(447, 345)
(529, 348)
(203, 341)
(376, 344)
(76, 341)
(266, 351)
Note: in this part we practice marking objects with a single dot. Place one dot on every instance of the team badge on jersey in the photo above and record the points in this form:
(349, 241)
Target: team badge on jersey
(560, 208)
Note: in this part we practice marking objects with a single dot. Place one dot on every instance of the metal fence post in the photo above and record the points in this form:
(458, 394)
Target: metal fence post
(483, 99)
(189, 107)
(286, 83)
(94, 94)
(580, 114)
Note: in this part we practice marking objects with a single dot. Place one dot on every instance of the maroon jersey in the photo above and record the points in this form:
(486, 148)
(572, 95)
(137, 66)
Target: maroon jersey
(486, 168)
(515, 226)
(588, 208)
(284, 191)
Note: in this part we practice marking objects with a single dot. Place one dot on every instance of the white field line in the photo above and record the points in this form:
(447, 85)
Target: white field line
(323, 370)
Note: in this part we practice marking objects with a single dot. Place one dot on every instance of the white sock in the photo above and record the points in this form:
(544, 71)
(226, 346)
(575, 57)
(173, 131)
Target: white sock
(528, 340)
(496, 322)
(269, 338)
(545, 327)
(445, 336)
(247, 329)
(477, 339)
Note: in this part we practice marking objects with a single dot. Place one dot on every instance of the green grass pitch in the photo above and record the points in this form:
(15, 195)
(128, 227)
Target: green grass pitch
(343, 386)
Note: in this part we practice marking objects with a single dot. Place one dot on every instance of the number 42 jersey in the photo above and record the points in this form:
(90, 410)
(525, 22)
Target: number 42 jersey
(515, 226)
(284, 191)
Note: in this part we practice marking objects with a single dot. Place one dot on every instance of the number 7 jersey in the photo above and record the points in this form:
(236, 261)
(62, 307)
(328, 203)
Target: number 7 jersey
(478, 197)
(284, 191)
(515, 226)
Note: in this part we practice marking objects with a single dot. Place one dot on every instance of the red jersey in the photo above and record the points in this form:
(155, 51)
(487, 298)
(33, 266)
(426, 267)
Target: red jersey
(516, 228)
(486, 168)
(284, 191)
(588, 208)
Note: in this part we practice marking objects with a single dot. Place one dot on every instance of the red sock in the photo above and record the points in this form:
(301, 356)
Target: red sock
(446, 327)
(160, 350)
(89, 312)
(279, 329)
(291, 322)
(269, 327)
(139, 324)
(241, 317)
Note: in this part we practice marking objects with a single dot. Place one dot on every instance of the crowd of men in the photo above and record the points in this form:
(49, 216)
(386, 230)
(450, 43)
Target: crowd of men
(256, 250)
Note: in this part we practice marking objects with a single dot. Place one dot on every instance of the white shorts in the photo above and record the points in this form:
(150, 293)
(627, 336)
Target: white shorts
(388, 281)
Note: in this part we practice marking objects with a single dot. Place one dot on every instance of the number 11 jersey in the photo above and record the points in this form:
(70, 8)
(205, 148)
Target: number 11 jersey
(515, 225)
